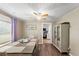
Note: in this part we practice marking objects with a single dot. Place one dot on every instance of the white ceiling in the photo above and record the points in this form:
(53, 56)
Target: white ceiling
(25, 10)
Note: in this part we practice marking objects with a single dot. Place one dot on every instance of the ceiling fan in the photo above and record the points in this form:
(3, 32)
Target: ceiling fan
(40, 15)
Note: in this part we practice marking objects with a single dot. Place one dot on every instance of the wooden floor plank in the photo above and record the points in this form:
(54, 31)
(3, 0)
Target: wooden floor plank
(47, 50)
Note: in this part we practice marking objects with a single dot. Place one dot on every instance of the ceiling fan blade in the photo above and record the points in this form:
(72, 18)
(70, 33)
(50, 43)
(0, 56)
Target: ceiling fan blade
(44, 14)
(35, 13)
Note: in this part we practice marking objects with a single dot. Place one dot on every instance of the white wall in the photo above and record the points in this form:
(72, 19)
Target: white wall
(30, 29)
(33, 29)
(73, 18)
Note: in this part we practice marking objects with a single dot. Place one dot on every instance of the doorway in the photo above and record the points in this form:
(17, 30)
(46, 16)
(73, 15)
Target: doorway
(47, 33)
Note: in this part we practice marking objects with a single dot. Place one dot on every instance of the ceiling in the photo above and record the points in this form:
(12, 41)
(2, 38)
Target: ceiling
(25, 11)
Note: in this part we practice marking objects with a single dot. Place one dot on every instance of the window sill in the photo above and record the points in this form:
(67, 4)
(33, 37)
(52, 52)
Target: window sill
(1, 45)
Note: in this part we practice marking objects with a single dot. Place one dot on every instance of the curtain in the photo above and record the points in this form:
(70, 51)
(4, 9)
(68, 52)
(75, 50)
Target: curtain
(14, 21)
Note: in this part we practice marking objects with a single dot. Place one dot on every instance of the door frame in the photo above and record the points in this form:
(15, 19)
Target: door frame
(50, 29)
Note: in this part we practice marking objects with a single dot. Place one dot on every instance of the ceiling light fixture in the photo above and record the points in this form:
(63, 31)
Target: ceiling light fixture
(40, 16)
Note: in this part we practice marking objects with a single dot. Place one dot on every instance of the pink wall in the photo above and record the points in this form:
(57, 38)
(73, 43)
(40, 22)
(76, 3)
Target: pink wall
(19, 29)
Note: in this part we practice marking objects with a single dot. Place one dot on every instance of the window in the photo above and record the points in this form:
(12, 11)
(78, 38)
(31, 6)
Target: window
(5, 31)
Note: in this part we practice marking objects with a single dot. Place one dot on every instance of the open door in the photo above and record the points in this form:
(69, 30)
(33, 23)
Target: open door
(45, 32)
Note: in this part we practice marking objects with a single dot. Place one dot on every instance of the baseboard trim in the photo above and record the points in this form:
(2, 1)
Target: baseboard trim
(57, 48)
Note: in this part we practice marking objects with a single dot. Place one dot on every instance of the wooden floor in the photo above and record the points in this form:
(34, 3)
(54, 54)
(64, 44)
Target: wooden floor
(47, 50)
